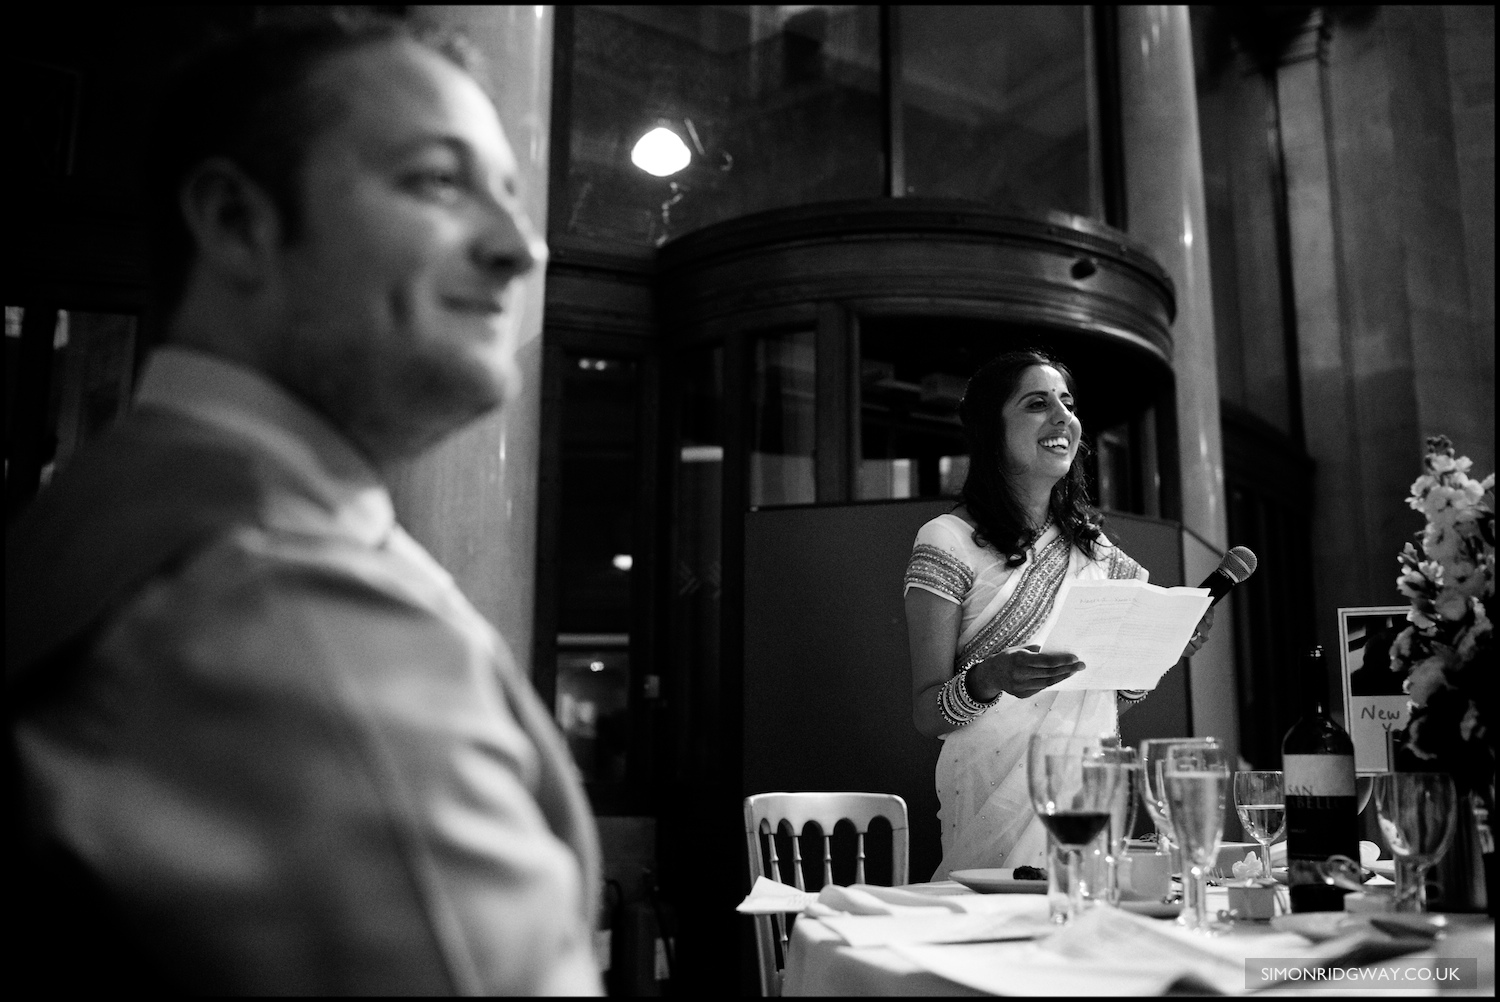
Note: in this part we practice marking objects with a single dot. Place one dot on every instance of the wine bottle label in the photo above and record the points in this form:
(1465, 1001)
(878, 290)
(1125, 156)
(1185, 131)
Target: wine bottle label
(1317, 776)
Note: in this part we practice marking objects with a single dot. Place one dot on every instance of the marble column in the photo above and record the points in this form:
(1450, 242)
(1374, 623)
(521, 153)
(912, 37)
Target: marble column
(472, 501)
(1166, 211)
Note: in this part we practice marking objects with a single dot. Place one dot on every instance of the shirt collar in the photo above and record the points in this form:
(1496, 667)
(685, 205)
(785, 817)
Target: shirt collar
(248, 404)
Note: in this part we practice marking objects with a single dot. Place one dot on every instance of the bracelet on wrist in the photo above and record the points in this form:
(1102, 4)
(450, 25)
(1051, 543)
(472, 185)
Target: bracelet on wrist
(1132, 695)
(955, 703)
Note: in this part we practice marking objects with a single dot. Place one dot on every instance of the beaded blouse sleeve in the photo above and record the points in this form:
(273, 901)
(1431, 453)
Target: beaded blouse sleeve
(1118, 565)
(940, 563)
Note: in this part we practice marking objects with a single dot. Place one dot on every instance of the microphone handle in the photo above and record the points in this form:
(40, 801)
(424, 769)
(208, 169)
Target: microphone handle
(1218, 584)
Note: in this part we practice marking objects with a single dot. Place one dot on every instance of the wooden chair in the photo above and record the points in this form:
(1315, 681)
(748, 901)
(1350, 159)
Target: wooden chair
(766, 814)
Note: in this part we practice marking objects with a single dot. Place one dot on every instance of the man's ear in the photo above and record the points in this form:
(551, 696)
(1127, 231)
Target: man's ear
(234, 222)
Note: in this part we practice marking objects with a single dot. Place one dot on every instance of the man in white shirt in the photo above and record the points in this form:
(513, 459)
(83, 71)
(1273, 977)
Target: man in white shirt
(252, 719)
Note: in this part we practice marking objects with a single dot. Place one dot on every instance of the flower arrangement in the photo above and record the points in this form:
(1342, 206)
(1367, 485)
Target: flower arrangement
(1446, 653)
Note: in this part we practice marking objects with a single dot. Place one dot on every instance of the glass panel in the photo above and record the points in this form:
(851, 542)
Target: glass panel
(997, 106)
(697, 588)
(782, 430)
(596, 540)
(593, 692)
(1117, 484)
(912, 376)
(773, 105)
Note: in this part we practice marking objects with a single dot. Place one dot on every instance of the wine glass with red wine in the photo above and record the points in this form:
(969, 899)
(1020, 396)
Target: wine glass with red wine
(1073, 782)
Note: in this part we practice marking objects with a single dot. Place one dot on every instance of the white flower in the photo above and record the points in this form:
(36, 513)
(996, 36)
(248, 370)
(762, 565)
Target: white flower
(1425, 679)
(1249, 868)
(1452, 604)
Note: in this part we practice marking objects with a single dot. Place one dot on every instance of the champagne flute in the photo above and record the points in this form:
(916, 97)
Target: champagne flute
(1072, 785)
(1260, 800)
(1417, 812)
(1196, 782)
(1153, 750)
(1122, 813)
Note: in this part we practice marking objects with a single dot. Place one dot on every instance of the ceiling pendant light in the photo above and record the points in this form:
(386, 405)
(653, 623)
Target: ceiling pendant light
(660, 152)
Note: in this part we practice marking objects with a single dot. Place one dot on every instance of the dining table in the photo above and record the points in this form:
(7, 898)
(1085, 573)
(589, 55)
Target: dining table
(1110, 953)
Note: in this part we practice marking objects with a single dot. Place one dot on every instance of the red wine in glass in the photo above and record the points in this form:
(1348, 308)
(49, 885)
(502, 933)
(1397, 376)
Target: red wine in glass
(1075, 828)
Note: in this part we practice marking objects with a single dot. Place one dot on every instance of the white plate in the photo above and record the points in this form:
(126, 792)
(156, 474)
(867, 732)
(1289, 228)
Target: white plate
(999, 880)
(1383, 867)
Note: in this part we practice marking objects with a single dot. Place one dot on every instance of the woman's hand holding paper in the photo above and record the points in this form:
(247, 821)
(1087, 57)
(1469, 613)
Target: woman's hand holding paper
(1021, 671)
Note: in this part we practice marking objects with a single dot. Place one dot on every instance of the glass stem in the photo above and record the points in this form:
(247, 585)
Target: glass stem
(1265, 859)
(1410, 894)
(1195, 890)
(1075, 894)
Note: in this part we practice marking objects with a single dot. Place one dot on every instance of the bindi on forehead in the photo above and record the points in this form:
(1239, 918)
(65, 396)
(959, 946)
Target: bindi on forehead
(1041, 379)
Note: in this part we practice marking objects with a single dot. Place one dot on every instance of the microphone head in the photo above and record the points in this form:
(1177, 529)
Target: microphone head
(1238, 564)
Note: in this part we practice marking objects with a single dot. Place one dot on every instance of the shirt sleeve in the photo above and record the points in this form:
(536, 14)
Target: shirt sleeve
(938, 564)
(304, 784)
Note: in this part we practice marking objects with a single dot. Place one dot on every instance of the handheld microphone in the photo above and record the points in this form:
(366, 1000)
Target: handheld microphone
(1237, 565)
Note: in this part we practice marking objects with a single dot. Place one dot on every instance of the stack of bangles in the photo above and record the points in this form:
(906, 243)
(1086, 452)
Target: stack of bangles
(1132, 695)
(955, 703)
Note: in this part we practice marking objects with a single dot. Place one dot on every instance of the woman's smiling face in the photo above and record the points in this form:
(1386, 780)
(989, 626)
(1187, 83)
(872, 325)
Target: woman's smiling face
(1041, 430)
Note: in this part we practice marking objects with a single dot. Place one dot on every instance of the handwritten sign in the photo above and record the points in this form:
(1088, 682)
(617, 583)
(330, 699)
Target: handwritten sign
(1374, 703)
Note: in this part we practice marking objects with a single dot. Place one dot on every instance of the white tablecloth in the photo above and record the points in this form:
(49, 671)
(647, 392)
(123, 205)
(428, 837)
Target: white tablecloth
(820, 964)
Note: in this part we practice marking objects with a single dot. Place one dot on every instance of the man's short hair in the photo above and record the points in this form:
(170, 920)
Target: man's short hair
(248, 98)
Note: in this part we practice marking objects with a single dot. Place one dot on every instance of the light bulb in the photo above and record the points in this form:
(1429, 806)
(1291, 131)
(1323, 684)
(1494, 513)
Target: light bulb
(660, 152)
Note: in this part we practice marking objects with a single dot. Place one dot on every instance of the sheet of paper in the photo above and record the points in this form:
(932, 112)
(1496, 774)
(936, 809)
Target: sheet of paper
(1128, 633)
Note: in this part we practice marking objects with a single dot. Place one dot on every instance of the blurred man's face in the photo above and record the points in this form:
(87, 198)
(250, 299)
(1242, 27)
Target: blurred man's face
(400, 295)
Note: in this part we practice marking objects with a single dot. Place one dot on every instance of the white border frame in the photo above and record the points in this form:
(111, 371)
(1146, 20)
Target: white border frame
(1347, 667)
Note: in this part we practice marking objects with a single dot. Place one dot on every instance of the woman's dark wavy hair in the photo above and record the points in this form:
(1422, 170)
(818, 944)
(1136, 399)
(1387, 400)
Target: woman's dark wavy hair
(988, 494)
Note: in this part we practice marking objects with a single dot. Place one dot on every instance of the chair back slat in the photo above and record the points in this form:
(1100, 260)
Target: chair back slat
(797, 861)
(767, 813)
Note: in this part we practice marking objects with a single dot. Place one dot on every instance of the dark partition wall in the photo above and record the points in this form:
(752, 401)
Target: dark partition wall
(827, 681)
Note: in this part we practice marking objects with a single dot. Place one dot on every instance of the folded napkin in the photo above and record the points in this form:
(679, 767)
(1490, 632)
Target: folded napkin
(768, 897)
(872, 899)
(866, 915)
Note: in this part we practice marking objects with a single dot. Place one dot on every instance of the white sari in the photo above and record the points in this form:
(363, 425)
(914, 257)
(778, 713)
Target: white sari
(985, 805)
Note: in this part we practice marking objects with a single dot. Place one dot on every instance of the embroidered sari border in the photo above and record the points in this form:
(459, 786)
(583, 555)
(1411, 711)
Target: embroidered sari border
(1027, 607)
(939, 570)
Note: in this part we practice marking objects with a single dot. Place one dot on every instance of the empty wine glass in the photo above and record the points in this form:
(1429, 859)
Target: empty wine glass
(1122, 812)
(1072, 784)
(1153, 750)
(1417, 812)
(1195, 779)
(1260, 800)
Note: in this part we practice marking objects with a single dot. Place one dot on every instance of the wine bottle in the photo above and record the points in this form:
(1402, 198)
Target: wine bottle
(1322, 807)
